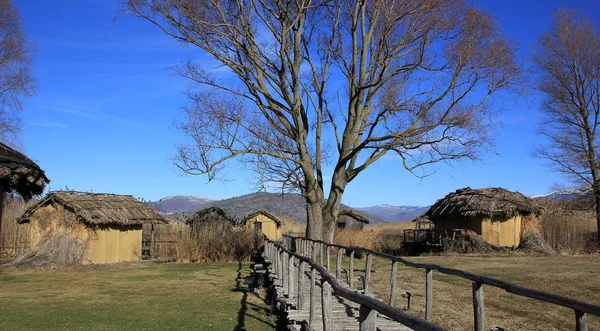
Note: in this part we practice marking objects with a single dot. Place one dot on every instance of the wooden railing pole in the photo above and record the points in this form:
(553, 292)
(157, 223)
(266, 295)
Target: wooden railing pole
(300, 285)
(338, 265)
(366, 319)
(290, 281)
(325, 305)
(478, 307)
(313, 300)
(351, 269)
(368, 272)
(328, 253)
(581, 321)
(321, 254)
(428, 293)
(393, 283)
(284, 275)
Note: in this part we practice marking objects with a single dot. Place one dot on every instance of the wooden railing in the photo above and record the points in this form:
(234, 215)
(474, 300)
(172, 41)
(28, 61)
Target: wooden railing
(307, 246)
(291, 273)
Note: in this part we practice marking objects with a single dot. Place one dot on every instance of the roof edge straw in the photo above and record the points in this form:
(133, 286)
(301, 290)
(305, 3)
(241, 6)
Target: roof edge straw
(380, 306)
(556, 299)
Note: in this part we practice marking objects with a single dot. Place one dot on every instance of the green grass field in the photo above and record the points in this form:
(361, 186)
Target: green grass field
(137, 296)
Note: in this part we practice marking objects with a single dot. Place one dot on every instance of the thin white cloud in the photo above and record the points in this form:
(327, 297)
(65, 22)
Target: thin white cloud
(49, 124)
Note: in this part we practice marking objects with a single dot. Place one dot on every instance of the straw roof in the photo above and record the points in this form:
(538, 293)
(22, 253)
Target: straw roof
(18, 173)
(269, 215)
(356, 215)
(212, 214)
(100, 208)
(491, 201)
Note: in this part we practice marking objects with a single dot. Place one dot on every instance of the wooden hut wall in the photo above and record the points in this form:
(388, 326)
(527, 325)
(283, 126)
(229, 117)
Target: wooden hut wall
(350, 222)
(268, 225)
(113, 244)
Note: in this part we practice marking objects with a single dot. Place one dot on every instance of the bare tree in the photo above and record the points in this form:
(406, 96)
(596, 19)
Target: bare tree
(16, 80)
(568, 57)
(336, 83)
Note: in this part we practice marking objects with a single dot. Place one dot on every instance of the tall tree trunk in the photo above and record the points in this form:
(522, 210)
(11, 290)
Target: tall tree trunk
(597, 195)
(332, 207)
(2, 241)
(315, 220)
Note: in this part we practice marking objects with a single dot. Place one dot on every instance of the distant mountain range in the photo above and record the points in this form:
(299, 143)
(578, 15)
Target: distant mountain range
(395, 213)
(294, 206)
(566, 195)
(179, 204)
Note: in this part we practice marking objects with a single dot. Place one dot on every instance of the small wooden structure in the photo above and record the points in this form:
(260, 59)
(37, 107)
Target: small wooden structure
(350, 219)
(108, 227)
(215, 216)
(493, 213)
(19, 174)
(263, 223)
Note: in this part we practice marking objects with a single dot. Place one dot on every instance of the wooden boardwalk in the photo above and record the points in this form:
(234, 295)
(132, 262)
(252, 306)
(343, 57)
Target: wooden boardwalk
(345, 314)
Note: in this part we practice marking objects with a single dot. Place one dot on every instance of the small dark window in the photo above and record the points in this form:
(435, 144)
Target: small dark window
(341, 225)
(258, 227)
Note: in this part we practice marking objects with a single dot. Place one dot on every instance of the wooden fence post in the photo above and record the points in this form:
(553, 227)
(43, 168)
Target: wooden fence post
(368, 272)
(313, 300)
(428, 293)
(393, 283)
(581, 321)
(284, 276)
(338, 265)
(328, 253)
(325, 305)
(301, 285)
(321, 253)
(291, 270)
(478, 307)
(351, 269)
(367, 319)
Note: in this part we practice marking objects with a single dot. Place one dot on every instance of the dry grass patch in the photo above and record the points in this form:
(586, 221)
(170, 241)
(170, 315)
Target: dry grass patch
(577, 277)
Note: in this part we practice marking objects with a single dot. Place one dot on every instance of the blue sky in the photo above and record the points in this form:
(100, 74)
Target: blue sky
(102, 118)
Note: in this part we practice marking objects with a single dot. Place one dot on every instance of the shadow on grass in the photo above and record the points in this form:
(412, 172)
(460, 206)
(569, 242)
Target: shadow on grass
(261, 312)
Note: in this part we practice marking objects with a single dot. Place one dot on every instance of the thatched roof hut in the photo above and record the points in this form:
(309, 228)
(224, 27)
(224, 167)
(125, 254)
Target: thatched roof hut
(69, 227)
(495, 213)
(351, 219)
(263, 223)
(489, 202)
(20, 174)
(99, 208)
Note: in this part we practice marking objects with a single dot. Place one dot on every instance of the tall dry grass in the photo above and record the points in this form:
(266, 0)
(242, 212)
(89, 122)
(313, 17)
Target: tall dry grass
(13, 236)
(569, 227)
(210, 242)
(385, 238)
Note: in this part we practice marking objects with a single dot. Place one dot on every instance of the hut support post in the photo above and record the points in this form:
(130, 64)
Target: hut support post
(478, 307)
(581, 321)
(312, 314)
(428, 293)
(351, 269)
(368, 272)
(284, 276)
(321, 253)
(393, 283)
(338, 265)
(367, 319)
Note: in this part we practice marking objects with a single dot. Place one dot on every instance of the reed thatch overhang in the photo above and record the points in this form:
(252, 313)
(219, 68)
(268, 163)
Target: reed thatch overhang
(100, 208)
(269, 215)
(20, 174)
(491, 201)
(357, 216)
